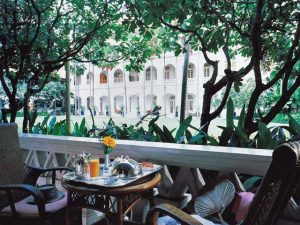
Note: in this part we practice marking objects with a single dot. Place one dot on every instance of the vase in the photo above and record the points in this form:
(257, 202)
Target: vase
(106, 162)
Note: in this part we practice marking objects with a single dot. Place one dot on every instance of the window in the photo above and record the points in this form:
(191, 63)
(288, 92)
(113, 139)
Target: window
(172, 104)
(191, 71)
(148, 73)
(103, 78)
(206, 70)
(133, 76)
(118, 76)
(190, 103)
(89, 77)
(134, 103)
(118, 104)
(169, 72)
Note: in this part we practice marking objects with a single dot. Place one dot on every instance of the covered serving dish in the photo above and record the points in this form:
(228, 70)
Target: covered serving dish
(126, 167)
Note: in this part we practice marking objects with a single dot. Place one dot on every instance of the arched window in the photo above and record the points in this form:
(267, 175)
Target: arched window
(172, 103)
(191, 71)
(118, 76)
(148, 73)
(89, 77)
(206, 70)
(190, 103)
(103, 78)
(169, 72)
(133, 76)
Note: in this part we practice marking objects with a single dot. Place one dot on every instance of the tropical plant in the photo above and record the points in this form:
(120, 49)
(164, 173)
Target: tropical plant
(59, 128)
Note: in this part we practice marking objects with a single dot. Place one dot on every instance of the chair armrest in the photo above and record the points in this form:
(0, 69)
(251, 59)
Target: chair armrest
(37, 171)
(53, 169)
(34, 191)
(172, 211)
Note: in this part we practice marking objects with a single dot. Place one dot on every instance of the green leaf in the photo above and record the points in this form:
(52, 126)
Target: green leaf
(196, 139)
(159, 132)
(51, 124)
(182, 128)
(45, 121)
(294, 125)
(36, 129)
(168, 135)
(250, 182)
(56, 129)
(265, 139)
(212, 140)
(82, 126)
(242, 136)
(225, 136)
(229, 113)
(241, 122)
(188, 135)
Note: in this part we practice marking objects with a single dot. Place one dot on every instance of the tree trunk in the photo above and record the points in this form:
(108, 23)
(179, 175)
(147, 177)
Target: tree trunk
(205, 115)
(26, 112)
(13, 110)
(68, 103)
(184, 83)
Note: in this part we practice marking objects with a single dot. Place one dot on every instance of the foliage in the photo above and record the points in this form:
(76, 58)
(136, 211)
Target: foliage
(53, 90)
(234, 134)
(252, 29)
(38, 38)
(59, 128)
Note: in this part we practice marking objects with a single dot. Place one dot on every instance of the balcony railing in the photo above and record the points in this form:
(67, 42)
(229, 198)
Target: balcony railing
(241, 160)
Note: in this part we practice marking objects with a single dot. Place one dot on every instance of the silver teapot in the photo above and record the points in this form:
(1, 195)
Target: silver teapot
(80, 161)
(126, 167)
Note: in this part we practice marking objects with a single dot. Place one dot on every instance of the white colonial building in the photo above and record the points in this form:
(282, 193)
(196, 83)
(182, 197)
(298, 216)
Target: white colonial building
(117, 92)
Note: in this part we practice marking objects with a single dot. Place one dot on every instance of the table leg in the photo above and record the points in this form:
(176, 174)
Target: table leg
(73, 216)
(120, 212)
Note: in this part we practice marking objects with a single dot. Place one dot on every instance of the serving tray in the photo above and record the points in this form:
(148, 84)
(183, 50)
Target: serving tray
(104, 179)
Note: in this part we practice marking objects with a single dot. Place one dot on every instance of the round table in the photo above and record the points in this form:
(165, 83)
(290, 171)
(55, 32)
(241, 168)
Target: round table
(114, 202)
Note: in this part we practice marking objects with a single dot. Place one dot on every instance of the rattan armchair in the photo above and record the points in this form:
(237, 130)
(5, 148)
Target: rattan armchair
(271, 198)
(18, 181)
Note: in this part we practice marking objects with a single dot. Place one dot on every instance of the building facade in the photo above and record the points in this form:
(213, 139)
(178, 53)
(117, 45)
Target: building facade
(117, 92)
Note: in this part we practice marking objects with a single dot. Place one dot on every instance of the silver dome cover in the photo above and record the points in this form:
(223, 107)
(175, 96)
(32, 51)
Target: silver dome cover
(126, 167)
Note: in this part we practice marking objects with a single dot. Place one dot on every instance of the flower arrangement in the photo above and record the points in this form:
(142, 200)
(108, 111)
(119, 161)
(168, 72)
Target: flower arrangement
(109, 144)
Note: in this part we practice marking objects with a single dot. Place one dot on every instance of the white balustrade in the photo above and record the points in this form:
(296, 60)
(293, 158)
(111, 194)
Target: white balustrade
(46, 150)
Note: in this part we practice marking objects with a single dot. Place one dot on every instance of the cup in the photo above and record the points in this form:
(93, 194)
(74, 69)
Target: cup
(94, 168)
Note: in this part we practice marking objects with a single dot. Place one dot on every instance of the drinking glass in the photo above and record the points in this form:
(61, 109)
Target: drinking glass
(94, 167)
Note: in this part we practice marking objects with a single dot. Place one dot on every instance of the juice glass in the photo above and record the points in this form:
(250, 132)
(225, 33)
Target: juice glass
(94, 168)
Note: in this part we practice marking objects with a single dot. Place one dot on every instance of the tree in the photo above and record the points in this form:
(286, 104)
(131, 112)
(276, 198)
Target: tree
(38, 38)
(53, 90)
(265, 31)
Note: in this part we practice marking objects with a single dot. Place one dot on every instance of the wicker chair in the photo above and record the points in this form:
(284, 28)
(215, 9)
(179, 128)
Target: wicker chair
(18, 181)
(270, 200)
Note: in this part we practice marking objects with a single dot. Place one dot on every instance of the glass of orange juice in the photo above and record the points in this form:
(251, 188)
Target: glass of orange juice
(94, 167)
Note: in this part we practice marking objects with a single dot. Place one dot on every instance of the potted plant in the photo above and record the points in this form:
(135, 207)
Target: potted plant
(122, 110)
(82, 110)
(94, 110)
(106, 110)
(176, 111)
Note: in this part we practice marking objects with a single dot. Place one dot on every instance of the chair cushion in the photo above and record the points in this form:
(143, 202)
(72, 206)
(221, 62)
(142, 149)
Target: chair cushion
(166, 220)
(26, 210)
(241, 205)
